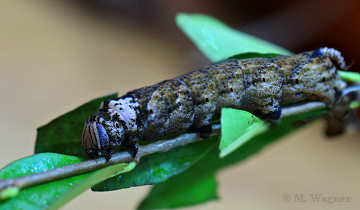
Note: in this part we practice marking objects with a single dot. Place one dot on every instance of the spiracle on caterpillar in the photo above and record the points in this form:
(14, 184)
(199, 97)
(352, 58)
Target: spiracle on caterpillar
(257, 85)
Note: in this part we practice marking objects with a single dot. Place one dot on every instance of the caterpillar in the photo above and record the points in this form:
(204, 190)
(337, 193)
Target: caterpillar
(257, 85)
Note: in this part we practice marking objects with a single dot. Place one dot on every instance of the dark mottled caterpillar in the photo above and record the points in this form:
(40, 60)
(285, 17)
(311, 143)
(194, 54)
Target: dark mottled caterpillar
(191, 100)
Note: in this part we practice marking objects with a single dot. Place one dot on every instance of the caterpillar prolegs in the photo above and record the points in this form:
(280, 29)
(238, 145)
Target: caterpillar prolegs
(256, 85)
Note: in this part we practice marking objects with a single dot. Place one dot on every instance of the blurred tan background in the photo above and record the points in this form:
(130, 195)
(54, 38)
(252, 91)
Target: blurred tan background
(54, 56)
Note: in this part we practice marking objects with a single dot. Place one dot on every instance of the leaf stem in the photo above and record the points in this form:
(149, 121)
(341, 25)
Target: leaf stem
(124, 157)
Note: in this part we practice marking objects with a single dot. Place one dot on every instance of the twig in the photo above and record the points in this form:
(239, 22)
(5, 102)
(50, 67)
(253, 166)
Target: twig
(95, 164)
(124, 157)
(300, 108)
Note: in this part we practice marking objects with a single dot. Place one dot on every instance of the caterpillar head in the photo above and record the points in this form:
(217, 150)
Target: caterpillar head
(103, 131)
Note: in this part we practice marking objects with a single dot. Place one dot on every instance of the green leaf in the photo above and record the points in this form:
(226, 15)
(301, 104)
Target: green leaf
(199, 174)
(54, 194)
(9, 192)
(254, 55)
(218, 41)
(193, 189)
(85, 181)
(158, 167)
(354, 105)
(349, 76)
(36, 164)
(63, 134)
(238, 127)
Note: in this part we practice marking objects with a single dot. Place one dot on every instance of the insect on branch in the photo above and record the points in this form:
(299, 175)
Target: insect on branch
(158, 146)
